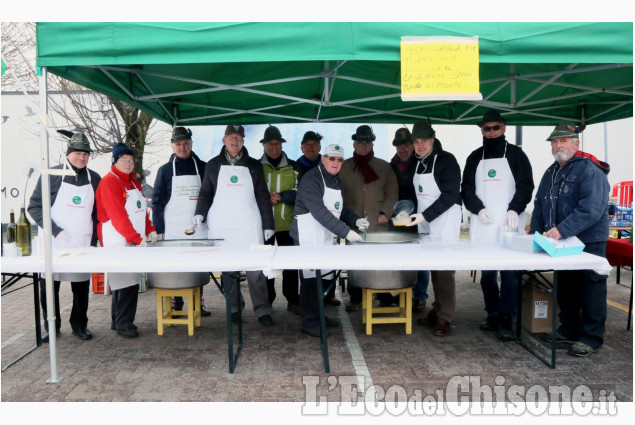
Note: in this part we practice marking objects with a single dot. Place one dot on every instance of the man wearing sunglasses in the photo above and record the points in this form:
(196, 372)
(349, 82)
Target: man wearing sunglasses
(321, 215)
(496, 188)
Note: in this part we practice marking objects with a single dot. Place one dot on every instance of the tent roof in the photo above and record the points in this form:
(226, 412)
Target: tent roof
(215, 73)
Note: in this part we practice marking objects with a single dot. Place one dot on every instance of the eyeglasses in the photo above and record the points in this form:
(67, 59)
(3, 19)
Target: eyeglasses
(237, 138)
(492, 128)
(335, 158)
(127, 161)
(363, 143)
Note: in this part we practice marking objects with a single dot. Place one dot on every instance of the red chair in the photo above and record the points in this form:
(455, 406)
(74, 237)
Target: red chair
(623, 191)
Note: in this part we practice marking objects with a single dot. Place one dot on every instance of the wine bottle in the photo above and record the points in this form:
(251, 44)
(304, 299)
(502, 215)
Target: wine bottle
(23, 233)
(11, 228)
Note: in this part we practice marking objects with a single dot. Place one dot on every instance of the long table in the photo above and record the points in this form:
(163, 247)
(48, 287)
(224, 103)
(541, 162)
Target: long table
(425, 255)
(428, 255)
(157, 259)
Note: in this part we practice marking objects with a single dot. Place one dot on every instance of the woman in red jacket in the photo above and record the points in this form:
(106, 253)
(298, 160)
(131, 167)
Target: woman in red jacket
(123, 221)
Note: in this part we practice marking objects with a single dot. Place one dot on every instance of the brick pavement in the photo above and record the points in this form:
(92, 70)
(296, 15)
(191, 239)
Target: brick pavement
(176, 367)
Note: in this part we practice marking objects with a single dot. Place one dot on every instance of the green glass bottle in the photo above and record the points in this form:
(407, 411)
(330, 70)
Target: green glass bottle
(11, 228)
(23, 233)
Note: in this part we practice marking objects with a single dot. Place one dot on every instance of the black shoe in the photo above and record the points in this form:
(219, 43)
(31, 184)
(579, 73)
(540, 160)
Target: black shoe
(489, 324)
(205, 312)
(331, 323)
(580, 349)
(87, 332)
(128, 333)
(332, 301)
(79, 333)
(430, 319)
(114, 328)
(266, 320)
(293, 308)
(314, 331)
(505, 332)
(237, 318)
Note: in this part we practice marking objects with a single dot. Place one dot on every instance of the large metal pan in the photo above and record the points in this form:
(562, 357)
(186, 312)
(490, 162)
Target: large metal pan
(179, 280)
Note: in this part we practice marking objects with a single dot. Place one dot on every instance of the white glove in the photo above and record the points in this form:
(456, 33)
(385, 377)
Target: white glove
(418, 218)
(484, 216)
(63, 237)
(269, 234)
(197, 220)
(153, 237)
(143, 242)
(512, 218)
(362, 224)
(353, 237)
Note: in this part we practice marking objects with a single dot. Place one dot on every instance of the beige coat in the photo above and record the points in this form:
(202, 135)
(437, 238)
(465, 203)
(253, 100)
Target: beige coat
(374, 198)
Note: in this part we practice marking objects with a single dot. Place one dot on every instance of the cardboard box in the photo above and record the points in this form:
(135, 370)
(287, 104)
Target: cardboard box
(537, 305)
(561, 247)
(522, 243)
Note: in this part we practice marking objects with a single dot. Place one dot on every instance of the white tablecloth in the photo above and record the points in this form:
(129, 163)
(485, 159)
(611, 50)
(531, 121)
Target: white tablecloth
(424, 256)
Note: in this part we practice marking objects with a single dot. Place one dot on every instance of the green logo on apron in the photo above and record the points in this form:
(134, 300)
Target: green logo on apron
(138, 204)
(233, 179)
(420, 188)
(77, 200)
(491, 173)
(337, 205)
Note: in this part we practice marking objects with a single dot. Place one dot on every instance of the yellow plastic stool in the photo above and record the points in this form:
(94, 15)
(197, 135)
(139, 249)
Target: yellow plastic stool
(404, 309)
(167, 317)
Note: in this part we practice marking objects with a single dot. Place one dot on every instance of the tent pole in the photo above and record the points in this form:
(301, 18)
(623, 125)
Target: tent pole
(46, 210)
(606, 145)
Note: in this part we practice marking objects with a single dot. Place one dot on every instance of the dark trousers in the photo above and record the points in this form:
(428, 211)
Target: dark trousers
(582, 301)
(309, 307)
(500, 302)
(289, 277)
(79, 312)
(124, 306)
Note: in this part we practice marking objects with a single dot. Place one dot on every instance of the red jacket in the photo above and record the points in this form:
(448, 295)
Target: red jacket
(111, 205)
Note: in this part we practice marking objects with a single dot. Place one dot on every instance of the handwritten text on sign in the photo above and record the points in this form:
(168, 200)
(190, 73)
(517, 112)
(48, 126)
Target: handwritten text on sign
(437, 68)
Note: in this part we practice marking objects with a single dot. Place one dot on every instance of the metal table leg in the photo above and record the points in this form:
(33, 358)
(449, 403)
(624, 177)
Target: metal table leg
(323, 342)
(232, 358)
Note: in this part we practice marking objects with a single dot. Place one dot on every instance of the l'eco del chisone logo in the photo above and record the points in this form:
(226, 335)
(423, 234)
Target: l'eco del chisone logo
(77, 200)
(233, 179)
(491, 173)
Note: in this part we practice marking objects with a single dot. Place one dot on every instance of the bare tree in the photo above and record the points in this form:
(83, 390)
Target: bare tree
(105, 120)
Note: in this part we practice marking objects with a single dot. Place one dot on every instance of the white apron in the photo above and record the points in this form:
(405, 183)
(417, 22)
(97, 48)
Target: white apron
(136, 209)
(495, 187)
(180, 209)
(73, 212)
(447, 226)
(312, 233)
(234, 215)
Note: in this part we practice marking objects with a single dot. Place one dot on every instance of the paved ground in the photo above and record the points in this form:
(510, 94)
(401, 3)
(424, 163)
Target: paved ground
(176, 367)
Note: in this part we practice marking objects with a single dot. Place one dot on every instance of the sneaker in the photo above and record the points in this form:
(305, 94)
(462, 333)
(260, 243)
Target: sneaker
(266, 320)
(430, 319)
(352, 306)
(505, 331)
(205, 312)
(418, 306)
(293, 308)
(489, 324)
(580, 349)
(332, 301)
(442, 328)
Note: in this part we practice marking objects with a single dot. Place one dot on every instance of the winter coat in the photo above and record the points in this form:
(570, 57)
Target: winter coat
(283, 179)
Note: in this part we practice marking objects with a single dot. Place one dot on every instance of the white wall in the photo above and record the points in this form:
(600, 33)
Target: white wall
(20, 146)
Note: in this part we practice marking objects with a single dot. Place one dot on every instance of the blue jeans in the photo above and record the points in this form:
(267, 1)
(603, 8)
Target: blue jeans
(421, 288)
(501, 302)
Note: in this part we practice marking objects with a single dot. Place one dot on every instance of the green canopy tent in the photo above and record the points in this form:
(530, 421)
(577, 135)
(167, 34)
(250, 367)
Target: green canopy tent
(341, 72)
(256, 73)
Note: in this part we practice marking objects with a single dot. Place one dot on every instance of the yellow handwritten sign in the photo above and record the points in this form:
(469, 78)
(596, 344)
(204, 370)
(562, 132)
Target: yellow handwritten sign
(439, 68)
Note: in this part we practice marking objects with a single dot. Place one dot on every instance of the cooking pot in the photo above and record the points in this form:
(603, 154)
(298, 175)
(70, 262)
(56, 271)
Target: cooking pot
(384, 279)
(179, 280)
